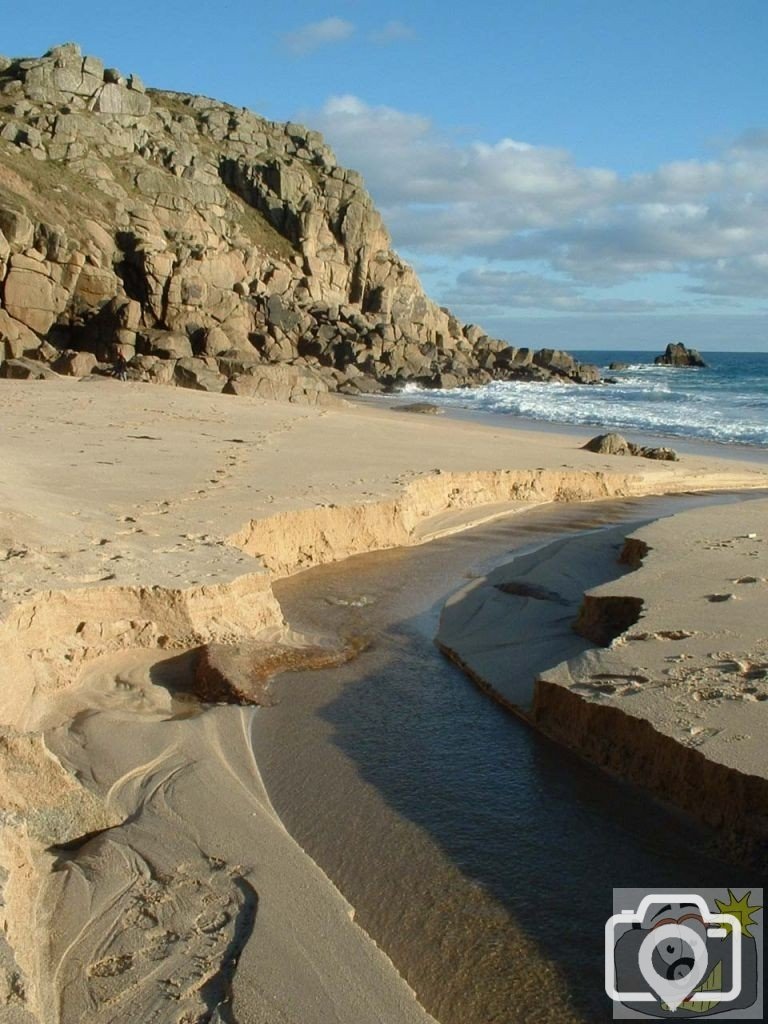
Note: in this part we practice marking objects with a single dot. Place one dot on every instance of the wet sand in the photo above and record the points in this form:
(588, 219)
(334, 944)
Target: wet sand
(698, 446)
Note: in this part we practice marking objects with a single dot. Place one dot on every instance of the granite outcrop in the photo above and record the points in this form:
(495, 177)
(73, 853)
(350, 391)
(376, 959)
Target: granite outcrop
(202, 243)
(677, 354)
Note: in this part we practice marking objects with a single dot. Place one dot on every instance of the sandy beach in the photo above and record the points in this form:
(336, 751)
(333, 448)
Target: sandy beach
(145, 865)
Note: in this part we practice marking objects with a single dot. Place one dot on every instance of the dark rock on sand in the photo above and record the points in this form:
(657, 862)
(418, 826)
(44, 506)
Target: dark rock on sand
(664, 454)
(615, 444)
(240, 673)
(423, 408)
(608, 444)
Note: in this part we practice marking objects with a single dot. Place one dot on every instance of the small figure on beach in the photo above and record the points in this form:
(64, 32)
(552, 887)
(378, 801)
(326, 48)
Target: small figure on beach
(120, 367)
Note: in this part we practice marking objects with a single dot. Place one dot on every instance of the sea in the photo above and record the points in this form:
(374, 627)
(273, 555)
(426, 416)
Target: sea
(725, 402)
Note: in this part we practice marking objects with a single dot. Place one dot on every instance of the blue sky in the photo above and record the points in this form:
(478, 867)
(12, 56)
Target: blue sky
(583, 173)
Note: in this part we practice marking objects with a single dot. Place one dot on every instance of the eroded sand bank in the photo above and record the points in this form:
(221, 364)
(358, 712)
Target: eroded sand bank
(136, 522)
(675, 697)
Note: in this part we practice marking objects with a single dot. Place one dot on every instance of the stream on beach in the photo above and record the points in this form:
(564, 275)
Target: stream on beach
(477, 853)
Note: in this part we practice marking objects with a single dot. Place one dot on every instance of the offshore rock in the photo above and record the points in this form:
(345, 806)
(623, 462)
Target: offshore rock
(676, 354)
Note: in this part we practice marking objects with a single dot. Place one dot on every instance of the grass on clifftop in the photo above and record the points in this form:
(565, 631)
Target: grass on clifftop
(258, 230)
(44, 187)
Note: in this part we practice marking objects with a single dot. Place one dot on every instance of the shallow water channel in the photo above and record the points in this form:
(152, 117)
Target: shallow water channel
(478, 854)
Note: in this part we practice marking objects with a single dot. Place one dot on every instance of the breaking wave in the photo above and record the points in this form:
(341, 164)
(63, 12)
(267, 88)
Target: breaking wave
(727, 402)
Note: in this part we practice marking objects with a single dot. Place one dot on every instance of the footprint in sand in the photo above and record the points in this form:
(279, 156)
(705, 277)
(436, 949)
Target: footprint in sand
(171, 952)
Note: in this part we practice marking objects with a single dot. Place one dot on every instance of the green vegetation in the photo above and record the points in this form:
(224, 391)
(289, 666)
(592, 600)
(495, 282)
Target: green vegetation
(258, 230)
(47, 186)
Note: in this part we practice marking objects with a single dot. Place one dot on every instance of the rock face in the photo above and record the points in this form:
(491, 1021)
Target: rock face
(676, 354)
(616, 444)
(169, 228)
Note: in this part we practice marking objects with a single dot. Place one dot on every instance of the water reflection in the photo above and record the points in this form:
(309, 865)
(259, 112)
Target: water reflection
(478, 854)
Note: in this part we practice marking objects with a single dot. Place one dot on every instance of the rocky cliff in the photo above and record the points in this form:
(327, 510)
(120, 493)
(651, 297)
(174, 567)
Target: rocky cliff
(209, 247)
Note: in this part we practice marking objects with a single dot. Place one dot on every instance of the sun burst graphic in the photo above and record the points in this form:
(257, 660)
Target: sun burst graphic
(740, 909)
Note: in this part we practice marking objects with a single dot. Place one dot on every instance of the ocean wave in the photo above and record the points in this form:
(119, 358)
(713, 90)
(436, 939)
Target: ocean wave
(669, 409)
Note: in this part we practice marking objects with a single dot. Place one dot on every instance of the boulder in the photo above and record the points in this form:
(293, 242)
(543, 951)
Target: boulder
(215, 342)
(664, 454)
(443, 381)
(676, 354)
(618, 366)
(362, 385)
(196, 374)
(473, 333)
(120, 349)
(421, 409)
(75, 364)
(233, 363)
(562, 364)
(31, 295)
(528, 371)
(164, 344)
(281, 315)
(10, 348)
(555, 360)
(279, 349)
(608, 444)
(26, 369)
(615, 444)
(17, 227)
(127, 313)
(115, 98)
(239, 673)
(43, 353)
(162, 371)
(586, 373)
(16, 338)
(279, 383)
(230, 674)
(96, 286)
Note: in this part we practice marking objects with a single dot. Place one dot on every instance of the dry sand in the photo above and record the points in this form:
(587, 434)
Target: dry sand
(136, 522)
(679, 700)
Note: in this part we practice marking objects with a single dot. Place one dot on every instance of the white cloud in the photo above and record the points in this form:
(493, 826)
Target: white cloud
(312, 36)
(405, 160)
(392, 32)
(484, 292)
(744, 276)
(510, 201)
(624, 241)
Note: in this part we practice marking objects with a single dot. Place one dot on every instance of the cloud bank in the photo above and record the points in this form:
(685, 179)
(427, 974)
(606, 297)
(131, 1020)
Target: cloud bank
(518, 206)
